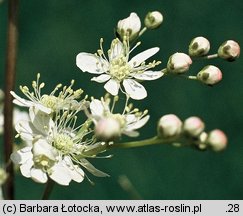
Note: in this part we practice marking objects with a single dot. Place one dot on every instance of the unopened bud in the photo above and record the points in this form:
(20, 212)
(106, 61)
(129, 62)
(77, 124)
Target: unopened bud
(193, 126)
(210, 75)
(179, 63)
(217, 140)
(129, 27)
(153, 20)
(107, 129)
(229, 50)
(199, 46)
(169, 126)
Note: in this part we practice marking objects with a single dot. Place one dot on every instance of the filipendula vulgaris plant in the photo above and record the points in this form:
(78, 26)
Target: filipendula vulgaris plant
(59, 147)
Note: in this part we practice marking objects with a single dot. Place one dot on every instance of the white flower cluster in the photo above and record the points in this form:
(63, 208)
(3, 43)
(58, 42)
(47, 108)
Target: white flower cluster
(58, 147)
(59, 144)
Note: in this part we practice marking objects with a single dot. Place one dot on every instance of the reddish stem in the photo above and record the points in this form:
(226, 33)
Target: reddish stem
(12, 38)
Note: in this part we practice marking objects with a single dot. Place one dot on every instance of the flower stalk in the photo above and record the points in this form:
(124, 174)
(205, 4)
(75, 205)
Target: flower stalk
(11, 56)
(48, 189)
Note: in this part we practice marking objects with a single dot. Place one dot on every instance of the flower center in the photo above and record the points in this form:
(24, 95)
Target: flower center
(120, 118)
(119, 69)
(49, 101)
(63, 143)
(43, 162)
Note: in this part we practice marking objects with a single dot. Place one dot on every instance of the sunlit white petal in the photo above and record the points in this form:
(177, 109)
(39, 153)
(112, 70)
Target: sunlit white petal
(112, 87)
(102, 78)
(149, 75)
(141, 57)
(38, 175)
(134, 89)
(91, 63)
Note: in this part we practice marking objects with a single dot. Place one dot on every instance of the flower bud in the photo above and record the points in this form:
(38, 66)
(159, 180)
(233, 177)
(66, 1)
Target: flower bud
(179, 63)
(210, 75)
(129, 26)
(169, 126)
(153, 20)
(193, 126)
(107, 129)
(202, 145)
(217, 140)
(199, 46)
(3, 176)
(229, 50)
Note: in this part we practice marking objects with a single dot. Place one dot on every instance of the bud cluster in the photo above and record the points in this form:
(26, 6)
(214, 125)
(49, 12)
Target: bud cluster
(130, 27)
(179, 63)
(190, 131)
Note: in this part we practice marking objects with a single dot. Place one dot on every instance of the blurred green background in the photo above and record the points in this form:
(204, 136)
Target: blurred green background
(53, 32)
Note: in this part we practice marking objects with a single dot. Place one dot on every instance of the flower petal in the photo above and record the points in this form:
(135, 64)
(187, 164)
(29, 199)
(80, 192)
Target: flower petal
(98, 108)
(116, 49)
(102, 78)
(134, 89)
(91, 63)
(112, 87)
(21, 101)
(131, 133)
(41, 121)
(42, 147)
(38, 175)
(141, 57)
(60, 174)
(86, 164)
(25, 168)
(75, 172)
(138, 124)
(22, 155)
(149, 75)
(26, 130)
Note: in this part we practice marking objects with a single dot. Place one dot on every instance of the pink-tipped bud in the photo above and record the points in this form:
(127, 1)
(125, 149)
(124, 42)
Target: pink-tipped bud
(193, 126)
(179, 63)
(153, 20)
(129, 27)
(217, 140)
(107, 129)
(210, 75)
(169, 126)
(229, 50)
(199, 46)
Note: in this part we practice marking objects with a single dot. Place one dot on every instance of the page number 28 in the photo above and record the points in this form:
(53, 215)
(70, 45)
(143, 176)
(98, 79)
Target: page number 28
(233, 208)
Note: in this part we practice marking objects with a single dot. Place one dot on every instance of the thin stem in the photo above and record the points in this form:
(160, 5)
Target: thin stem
(141, 143)
(48, 189)
(211, 56)
(132, 144)
(11, 55)
(142, 31)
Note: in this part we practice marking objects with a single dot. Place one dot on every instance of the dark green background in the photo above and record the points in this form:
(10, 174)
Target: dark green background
(53, 32)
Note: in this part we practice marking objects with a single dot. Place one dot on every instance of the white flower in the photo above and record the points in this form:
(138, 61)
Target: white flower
(17, 116)
(179, 63)
(48, 103)
(129, 27)
(118, 69)
(57, 151)
(129, 122)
